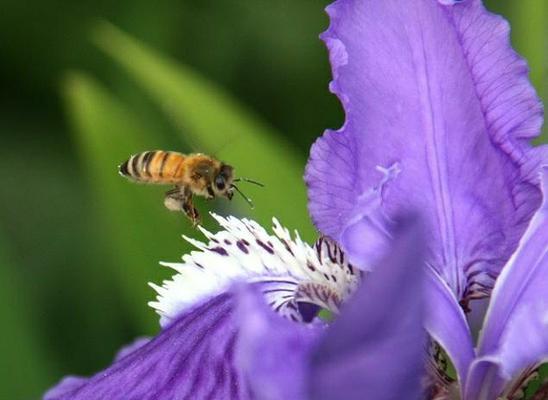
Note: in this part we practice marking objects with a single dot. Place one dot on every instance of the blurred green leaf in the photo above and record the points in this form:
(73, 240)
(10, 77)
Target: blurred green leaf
(536, 383)
(138, 230)
(529, 31)
(25, 369)
(529, 35)
(205, 114)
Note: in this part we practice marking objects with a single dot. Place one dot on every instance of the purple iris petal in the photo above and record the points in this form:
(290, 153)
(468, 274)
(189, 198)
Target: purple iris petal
(130, 348)
(71, 384)
(515, 334)
(376, 348)
(65, 388)
(370, 225)
(446, 324)
(275, 356)
(436, 91)
(191, 358)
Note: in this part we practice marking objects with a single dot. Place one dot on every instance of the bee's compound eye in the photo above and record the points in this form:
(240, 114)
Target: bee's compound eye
(220, 182)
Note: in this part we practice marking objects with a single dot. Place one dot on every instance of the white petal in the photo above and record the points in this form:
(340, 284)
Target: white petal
(287, 270)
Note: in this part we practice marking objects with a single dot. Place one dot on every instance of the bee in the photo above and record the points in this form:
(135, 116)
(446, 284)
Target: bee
(191, 174)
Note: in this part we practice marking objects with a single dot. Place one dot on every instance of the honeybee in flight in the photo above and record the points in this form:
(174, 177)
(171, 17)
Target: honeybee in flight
(191, 174)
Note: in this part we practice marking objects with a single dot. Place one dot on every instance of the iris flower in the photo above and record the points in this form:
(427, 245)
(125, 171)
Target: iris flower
(439, 115)
(435, 195)
(225, 339)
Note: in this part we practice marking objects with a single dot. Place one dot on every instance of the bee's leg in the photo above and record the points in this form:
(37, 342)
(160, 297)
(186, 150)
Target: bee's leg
(180, 199)
(191, 211)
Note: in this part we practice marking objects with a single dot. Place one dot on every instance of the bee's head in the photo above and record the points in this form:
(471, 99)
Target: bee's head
(222, 183)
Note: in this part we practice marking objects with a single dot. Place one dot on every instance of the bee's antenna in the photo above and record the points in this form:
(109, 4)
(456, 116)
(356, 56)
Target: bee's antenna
(247, 199)
(249, 181)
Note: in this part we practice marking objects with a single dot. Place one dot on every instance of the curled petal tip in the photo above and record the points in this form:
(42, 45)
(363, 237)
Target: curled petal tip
(365, 243)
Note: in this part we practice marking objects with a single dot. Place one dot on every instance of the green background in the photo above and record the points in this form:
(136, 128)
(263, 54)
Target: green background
(245, 80)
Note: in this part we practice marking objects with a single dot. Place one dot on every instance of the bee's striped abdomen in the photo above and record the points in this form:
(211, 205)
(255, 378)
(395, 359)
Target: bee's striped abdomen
(163, 167)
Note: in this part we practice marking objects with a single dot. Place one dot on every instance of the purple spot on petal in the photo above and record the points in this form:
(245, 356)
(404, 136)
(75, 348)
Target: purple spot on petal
(219, 250)
(241, 245)
(287, 247)
(264, 246)
(292, 306)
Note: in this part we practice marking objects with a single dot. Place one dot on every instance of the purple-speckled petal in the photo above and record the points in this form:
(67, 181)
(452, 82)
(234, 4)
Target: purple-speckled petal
(276, 354)
(289, 271)
(515, 333)
(376, 348)
(446, 324)
(191, 358)
(437, 90)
